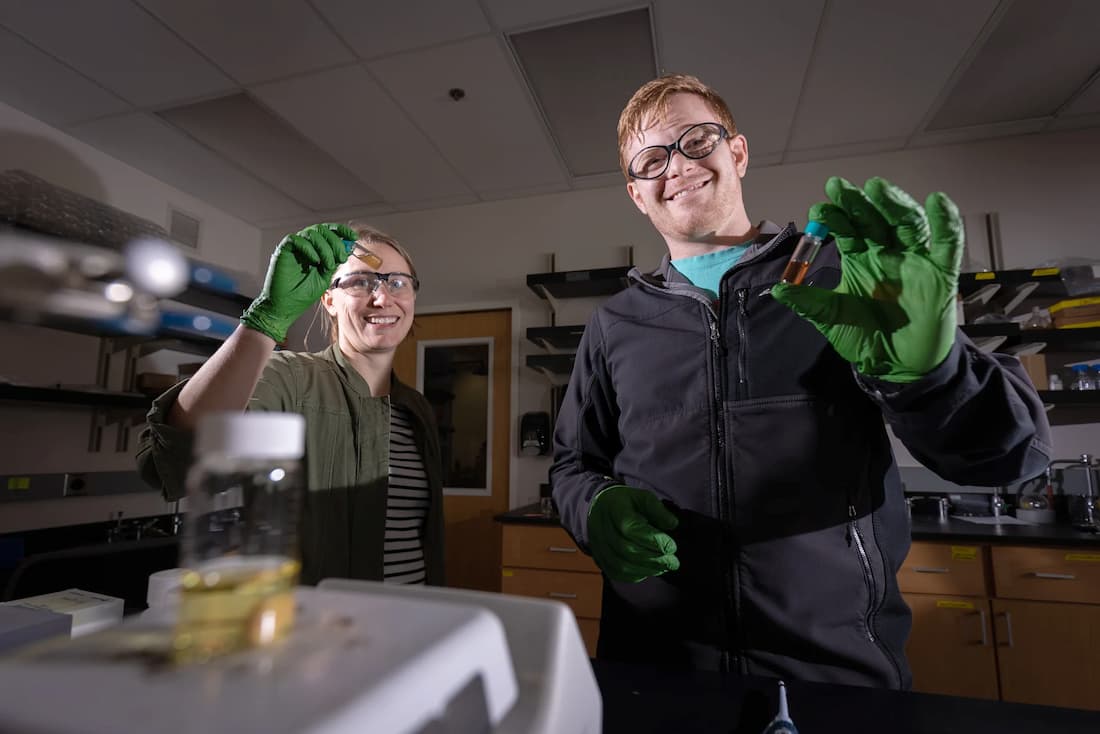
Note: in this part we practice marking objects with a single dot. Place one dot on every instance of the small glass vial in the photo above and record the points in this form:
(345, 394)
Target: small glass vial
(804, 253)
(240, 544)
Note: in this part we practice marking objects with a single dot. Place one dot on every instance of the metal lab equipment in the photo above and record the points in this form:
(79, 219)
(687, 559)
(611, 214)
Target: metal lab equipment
(1088, 518)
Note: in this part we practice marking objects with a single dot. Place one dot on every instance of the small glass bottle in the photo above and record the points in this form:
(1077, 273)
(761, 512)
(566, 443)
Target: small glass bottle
(804, 253)
(1054, 382)
(1082, 380)
(240, 545)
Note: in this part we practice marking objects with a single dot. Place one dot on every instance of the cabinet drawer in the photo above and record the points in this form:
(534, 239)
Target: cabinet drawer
(1047, 574)
(582, 592)
(543, 546)
(942, 568)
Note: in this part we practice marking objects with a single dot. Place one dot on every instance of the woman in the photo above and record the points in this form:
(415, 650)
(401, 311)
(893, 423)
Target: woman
(374, 505)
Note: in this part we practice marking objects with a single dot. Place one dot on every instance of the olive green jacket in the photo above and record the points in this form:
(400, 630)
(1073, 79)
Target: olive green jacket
(343, 521)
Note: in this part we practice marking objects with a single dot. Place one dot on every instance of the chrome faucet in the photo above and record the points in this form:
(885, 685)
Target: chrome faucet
(1089, 464)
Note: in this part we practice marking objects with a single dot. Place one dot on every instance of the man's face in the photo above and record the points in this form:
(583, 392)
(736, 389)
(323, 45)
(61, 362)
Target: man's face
(694, 199)
(372, 322)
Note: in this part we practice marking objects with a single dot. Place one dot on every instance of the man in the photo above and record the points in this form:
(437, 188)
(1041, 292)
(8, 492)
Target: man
(721, 450)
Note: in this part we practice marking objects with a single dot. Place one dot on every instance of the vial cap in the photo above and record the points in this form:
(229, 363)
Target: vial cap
(817, 229)
(256, 435)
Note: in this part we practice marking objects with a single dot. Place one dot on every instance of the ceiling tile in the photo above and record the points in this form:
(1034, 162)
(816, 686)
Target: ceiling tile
(119, 45)
(493, 135)
(878, 67)
(367, 132)
(254, 40)
(43, 87)
(1088, 103)
(951, 136)
(253, 138)
(763, 98)
(581, 95)
(153, 146)
(1034, 60)
(381, 29)
(515, 14)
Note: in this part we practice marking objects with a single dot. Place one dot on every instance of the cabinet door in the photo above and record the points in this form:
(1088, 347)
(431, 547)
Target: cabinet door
(1048, 653)
(950, 648)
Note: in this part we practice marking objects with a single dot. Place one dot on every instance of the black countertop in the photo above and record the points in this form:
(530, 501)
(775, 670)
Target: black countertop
(639, 699)
(951, 530)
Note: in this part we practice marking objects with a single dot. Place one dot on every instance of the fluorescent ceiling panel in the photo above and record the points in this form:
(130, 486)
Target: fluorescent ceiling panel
(582, 91)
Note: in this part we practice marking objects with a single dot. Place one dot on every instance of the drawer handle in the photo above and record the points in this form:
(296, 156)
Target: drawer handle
(929, 569)
(1008, 629)
(981, 621)
(561, 595)
(1056, 576)
(560, 549)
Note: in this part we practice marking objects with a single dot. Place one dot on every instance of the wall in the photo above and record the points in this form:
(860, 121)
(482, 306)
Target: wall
(43, 439)
(1044, 189)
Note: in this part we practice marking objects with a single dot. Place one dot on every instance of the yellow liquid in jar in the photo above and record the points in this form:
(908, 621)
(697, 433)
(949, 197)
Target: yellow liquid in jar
(235, 604)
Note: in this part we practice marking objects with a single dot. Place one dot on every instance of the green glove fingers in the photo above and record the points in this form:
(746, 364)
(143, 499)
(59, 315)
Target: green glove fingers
(901, 212)
(300, 270)
(627, 532)
(892, 315)
(866, 219)
(947, 234)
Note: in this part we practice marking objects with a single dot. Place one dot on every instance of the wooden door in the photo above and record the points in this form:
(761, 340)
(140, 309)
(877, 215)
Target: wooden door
(1048, 653)
(950, 648)
(472, 536)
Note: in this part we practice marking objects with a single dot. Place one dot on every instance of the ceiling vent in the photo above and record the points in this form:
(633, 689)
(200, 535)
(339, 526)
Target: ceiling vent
(183, 228)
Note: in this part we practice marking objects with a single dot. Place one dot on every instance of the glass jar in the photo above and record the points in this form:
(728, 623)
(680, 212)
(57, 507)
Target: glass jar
(240, 544)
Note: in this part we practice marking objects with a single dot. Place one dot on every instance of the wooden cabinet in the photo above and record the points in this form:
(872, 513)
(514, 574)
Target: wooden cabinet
(1047, 622)
(951, 649)
(1017, 623)
(542, 561)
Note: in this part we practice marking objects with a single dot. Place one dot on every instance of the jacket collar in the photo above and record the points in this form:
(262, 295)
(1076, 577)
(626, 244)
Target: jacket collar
(770, 235)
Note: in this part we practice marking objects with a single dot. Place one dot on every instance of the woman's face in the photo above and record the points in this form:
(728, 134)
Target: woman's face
(369, 321)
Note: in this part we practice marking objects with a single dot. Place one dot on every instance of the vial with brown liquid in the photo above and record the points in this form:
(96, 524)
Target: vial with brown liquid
(804, 253)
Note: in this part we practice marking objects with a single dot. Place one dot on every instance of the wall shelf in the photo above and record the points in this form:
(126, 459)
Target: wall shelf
(556, 337)
(556, 367)
(1064, 282)
(75, 397)
(1056, 340)
(1070, 407)
(579, 283)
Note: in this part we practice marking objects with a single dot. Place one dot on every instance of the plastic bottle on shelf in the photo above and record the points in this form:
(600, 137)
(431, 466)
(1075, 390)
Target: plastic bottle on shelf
(1082, 380)
(1054, 382)
(1039, 319)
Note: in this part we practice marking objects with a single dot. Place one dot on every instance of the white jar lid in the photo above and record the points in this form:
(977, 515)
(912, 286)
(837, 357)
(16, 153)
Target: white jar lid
(164, 587)
(253, 434)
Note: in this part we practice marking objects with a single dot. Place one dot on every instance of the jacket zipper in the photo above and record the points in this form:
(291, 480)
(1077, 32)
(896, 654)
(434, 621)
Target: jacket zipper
(868, 576)
(724, 505)
(742, 346)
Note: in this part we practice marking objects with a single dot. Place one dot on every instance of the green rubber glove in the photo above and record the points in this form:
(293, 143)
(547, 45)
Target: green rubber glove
(893, 313)
(300, 271)
(627, 533)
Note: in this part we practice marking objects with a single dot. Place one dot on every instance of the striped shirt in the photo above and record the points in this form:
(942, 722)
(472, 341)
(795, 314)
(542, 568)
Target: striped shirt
(406, 505)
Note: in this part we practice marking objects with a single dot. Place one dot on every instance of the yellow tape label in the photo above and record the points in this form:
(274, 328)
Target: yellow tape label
(507, 572)
(944, 604)
(985, 276)
(1083, 557)
(18, 483)
(1044, 271)
(964, 553)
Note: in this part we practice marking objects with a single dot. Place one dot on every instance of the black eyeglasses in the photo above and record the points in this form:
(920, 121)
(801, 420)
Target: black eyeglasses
(365, 283)
(698, 141)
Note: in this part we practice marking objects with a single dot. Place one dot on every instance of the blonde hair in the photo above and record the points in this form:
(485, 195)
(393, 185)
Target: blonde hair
(653, 97)
(365, 235)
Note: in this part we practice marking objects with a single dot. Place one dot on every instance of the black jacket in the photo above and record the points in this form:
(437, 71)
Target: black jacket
(776, 458)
